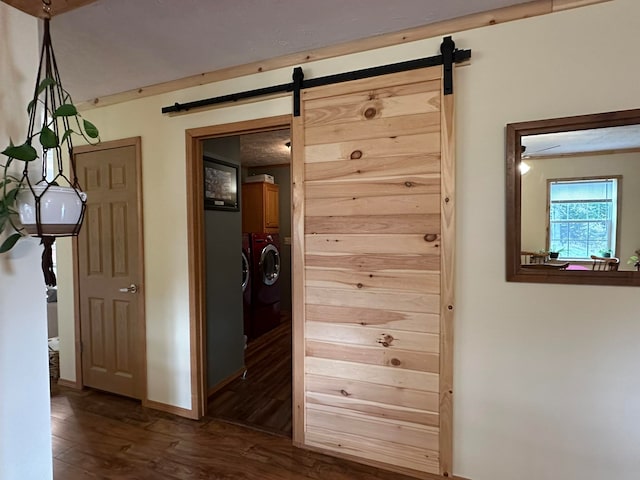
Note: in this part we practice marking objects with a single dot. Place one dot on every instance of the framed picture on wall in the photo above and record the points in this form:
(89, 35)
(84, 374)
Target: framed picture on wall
(220, 185)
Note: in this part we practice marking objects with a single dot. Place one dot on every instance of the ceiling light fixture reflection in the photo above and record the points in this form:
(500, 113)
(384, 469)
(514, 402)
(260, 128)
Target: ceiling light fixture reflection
(524, 167)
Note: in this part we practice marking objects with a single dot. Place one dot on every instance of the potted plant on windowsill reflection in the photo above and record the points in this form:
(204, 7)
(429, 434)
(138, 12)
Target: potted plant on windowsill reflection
(33, 205)
(635, 260)
(554, 254)
(605, 253)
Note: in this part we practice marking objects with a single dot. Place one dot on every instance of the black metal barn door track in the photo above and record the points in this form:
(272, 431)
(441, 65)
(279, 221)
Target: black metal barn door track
(449, 55)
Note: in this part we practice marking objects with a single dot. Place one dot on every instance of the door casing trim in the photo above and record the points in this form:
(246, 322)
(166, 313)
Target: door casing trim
(196, 247)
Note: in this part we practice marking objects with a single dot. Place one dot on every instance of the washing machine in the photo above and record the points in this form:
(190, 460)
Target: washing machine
(246, 283)
(265, 284)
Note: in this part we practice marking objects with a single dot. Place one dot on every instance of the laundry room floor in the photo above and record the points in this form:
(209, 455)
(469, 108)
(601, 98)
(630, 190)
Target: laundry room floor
(261, 400)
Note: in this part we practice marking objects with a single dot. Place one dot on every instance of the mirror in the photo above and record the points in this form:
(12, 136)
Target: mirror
(573, 200)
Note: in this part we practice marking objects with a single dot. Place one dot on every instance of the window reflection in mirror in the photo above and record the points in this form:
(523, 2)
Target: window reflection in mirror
(573, 199)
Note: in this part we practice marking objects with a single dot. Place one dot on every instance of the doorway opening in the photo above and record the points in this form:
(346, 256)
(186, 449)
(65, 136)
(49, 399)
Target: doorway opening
(242, 272)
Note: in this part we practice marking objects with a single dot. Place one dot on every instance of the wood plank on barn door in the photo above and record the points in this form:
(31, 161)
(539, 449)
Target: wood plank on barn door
(373, 271)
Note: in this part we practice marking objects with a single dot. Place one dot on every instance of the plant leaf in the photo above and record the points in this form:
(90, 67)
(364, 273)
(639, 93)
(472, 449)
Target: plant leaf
(4, 219)
(90, 129)
(48, 138)
(11, 196)
(66, 110)
(30, 105)
(46, 82)
(9, 242)
(7, 180)
(24, 152)
(66, 135)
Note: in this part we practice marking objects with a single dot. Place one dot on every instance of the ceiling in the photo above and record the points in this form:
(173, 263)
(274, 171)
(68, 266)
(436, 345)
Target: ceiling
(265, 148)
(110, 46)
(105, 47)
(582, 141)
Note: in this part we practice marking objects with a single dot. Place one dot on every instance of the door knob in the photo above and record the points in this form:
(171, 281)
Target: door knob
(133, 288)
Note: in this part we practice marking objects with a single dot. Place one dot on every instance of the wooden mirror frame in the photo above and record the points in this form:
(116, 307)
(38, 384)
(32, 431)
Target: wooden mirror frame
(515, 132)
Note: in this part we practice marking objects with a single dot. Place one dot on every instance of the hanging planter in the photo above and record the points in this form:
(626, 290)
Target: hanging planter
(44, 201)
(60, 210)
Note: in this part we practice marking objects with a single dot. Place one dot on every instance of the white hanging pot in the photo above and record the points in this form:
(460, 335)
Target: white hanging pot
(60, 209)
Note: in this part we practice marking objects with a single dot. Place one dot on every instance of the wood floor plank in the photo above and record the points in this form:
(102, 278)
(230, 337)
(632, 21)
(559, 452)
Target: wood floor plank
(102, 436)
(144, 444)
(63, 470)
(60, 445)
(262, 399)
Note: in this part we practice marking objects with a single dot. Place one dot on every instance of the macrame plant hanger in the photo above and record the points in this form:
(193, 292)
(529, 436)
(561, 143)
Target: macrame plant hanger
(52, 106)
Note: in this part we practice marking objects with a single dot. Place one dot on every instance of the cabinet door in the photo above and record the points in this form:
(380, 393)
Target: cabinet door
(272, 210)
(252, 198)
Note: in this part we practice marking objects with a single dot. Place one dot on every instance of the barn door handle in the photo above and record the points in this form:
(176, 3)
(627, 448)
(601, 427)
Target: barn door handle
(133, 288)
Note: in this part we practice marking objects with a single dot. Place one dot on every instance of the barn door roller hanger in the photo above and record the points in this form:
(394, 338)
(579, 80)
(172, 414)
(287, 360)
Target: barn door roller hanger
(449, 55)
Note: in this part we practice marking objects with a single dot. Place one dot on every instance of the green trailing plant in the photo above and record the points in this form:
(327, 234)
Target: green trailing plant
(65, 115)
(635, 259)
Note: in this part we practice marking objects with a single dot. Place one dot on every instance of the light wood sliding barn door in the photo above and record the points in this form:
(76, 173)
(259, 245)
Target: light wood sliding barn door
(373, 264)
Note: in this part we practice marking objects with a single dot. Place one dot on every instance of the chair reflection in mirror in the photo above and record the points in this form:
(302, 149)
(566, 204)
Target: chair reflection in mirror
(604, 264)
(527, 257)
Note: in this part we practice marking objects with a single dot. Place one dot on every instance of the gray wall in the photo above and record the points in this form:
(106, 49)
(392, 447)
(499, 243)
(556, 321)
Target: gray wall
(223, 240)
(282, 176)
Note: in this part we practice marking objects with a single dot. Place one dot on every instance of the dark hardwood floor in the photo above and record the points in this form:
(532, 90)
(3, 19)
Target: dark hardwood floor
(97, 435)
(262, 399)
(102, 436)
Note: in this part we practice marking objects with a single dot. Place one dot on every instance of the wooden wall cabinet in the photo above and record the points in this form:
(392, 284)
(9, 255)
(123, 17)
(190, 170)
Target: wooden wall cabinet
(260, 208)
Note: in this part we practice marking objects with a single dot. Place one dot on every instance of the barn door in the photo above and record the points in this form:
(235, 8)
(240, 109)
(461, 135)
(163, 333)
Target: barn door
(373, 246)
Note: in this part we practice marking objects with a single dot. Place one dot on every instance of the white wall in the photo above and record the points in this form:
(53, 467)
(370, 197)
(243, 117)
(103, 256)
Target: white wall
(534, 196)
(25, 424)
(546, 382)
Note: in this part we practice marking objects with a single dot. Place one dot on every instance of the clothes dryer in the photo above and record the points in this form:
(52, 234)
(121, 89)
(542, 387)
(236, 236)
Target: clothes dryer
(246, 283)
(265, 300)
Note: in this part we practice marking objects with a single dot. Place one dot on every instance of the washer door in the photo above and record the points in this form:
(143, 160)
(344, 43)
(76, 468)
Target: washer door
(245, 272)
(269, 264)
